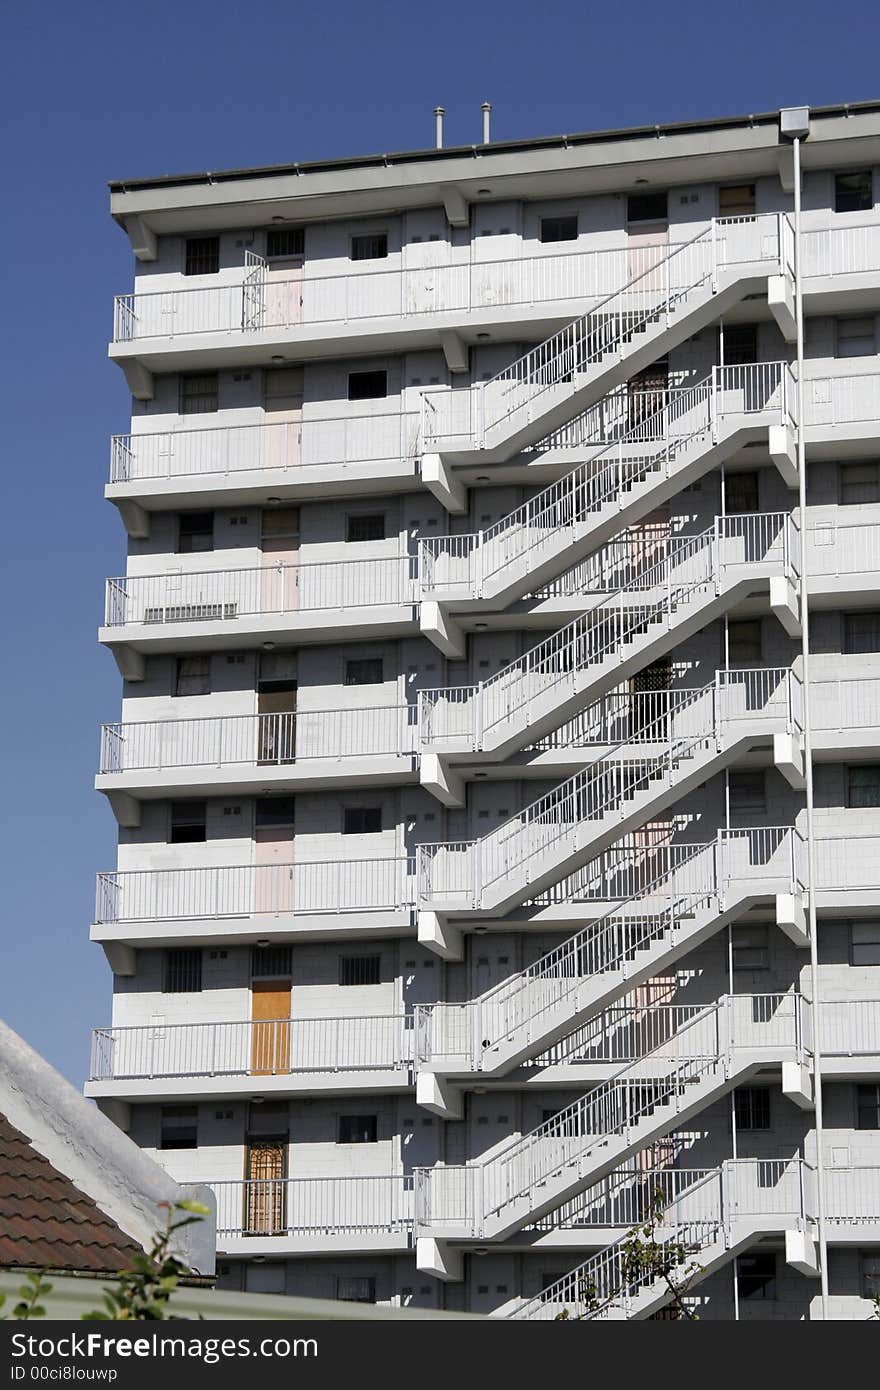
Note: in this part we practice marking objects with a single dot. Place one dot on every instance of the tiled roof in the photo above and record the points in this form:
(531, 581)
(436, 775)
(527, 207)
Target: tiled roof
(46, 1222)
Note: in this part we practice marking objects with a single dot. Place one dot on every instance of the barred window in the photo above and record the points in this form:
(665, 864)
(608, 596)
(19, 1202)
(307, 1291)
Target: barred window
(192, 675)
(356, 1288)
(359, 970)
(861, 631)
(752, 1107)
(859, 482)
(868, 1105)
(202, 255)
(285, 241)
(372, 246)
(271, 961)
(183, 971)
(198, 393)
(179, 1127)
(370, 526)
(863, 785)
(364, 670)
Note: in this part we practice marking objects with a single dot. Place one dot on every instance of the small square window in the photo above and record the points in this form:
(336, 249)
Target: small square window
(748, 792)
(750, 948)
(359, 970)
(868, 1105)
(355, 1288)
(358, 1129)
(271, 962)
(548, 1281)
(859, 482)
(861, 631)
(367, 386)
(198, 394)
(752, 1107)
(364, 670)
(559, 228)
(856, 337)
(756, 1276)
(744, 639)
(179, 1127)
(864, 943)
(182, 972)
(740, 344)
(741, 494)
(647, 207)
(362, 820)
(369, 247)
(188, 822)
(195, 532)
(737, 200)
(853, 192)
(273, 812)
(863, 785)
(192, 675)
(202, 255)
(284, 242)
(370, 526)
(869, 1262)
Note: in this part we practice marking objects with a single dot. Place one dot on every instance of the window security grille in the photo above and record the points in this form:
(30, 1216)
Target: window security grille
(369, 247)
(202, 255)
(271, 962)
(285, 241)
(359, 970)
(183, 971)
(369, 527)
(364, 670)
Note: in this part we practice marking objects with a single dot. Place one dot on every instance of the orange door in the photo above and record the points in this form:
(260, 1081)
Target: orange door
(264, 1188)
(270, 1036)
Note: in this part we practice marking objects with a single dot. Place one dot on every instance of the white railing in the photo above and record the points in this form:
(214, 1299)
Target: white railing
(668, 572)
(275, 1047)
(243, 890)
(315, 1206)
(314, 441)
(567, 510)
(842, 399)
(225, 595)
(513, 1182)
(259, 739)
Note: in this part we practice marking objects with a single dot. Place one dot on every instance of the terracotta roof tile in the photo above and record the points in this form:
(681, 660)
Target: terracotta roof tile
(46, 1222)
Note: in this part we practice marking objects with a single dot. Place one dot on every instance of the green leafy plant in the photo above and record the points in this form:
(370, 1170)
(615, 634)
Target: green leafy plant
(31, 1291)
(144, 1290)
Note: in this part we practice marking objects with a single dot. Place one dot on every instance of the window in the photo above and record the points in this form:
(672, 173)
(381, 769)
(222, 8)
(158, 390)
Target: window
(748, 792)
(869, 1262)
(745, 644)
(737, 200)
(359, 970)
(861, 631)
(372, 246)
(362, 820)
(741, 493)
(179, 1127)
(740, 344)
(864, 943)
(863, 785)
(192, 675)
(752, 1107)
(756, 1276)
(364, 670)
(188, 822)
(547, 1283)
(868, 1105)
(355, 1288)
(853, 192)
(198, 395)
(367, 386)
(183, 971)
(647, 207)
(202, 255)
(269, 962)
(859, 482)
(285, 241)
(750, 948)
(856, 337)
(195, 531)
(559, 228)
(274, 811)
(368, 527)
(358, 1129)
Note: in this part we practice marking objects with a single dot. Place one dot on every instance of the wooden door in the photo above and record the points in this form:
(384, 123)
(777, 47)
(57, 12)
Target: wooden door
(264, 1189)
(282, 407)
(279, 586)
(276, 723)
(270, 1035)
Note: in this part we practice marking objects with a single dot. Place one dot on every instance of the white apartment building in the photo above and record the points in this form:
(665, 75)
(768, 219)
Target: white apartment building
(498, 767)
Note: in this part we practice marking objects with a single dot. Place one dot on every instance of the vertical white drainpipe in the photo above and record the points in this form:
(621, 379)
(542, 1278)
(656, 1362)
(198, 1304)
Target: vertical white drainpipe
(808, 741)
(486, 109)
(439, 113)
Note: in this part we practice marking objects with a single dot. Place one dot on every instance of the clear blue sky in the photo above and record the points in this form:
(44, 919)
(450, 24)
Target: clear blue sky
(94, 91)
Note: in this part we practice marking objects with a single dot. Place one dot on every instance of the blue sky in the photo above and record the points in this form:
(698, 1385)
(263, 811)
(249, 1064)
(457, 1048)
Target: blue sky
(95, 91)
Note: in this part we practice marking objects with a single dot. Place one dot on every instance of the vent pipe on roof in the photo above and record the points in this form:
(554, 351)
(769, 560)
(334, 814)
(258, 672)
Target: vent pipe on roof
(439, 113)
(486, 109)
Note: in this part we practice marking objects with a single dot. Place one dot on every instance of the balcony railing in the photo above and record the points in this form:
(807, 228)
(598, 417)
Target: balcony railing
(321, 1207)
(259, 740)
(285, 589)
(245, 890)
(275, 1047)
(315, 441)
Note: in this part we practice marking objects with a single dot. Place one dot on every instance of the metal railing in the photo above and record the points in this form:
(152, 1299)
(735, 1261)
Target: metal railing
(224, 595)
(315, 1206)
(273, 1047)
(259, 740)
(244, 890)
(315, 441)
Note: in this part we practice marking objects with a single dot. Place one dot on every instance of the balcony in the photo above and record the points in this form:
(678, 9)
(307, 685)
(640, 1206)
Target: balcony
(314, 1215)
(308, 1056)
